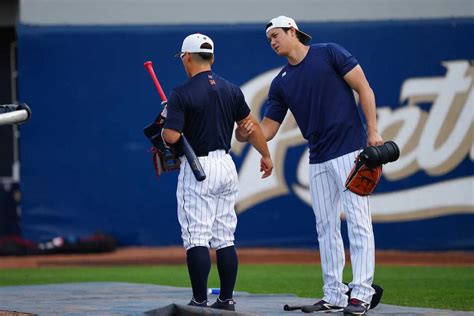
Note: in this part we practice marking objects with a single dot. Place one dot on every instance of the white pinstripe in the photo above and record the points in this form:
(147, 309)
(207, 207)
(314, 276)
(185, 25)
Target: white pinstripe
(206, 209)
(329, 197)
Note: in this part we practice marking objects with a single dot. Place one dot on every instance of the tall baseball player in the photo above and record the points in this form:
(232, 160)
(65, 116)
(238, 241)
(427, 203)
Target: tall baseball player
(205, 109)
(316, 86)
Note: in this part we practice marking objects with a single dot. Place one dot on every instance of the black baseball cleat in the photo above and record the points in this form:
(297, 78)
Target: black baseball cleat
(356, 307)
(197, 304)
(228, 305)
(322, 307)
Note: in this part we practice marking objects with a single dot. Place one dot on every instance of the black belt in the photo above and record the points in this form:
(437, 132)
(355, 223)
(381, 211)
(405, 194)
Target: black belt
(206, 153)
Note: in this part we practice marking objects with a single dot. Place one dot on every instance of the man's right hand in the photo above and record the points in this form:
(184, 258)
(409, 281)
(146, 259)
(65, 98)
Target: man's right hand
(266, 165)
(243, 131)
(164, 112)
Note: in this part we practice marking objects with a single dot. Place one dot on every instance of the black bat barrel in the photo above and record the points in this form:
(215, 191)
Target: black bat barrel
(193, 160)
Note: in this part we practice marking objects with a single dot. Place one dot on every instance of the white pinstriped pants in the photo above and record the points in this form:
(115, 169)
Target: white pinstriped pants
(329, 197)
(206, 209)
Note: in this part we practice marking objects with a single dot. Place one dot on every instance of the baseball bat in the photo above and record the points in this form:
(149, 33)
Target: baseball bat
(14, 113)
(291, 308)
(189, 153)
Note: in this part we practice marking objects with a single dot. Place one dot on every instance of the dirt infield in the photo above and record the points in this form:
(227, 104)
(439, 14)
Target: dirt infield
(176, 255)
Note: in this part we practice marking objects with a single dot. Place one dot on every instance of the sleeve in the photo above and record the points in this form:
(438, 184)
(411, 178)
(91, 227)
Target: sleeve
(242, 109)
(175, 117)
(275, 107)
(342, 60)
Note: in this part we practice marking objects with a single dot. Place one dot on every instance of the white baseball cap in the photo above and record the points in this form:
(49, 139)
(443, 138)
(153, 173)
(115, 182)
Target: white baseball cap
(193, 44)
(284, 21)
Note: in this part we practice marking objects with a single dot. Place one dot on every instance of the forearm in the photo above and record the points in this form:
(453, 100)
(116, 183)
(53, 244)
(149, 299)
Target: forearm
(367, 102)
(246, 127)
(258, 141)
(269, 128)
(267, 134)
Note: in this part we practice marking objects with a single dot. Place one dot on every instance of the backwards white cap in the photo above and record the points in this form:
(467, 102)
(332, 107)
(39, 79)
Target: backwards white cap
(193, 44)
(284, 21)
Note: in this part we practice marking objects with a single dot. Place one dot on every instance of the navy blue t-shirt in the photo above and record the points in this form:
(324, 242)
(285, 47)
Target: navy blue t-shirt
(205, 109)
(321, 101)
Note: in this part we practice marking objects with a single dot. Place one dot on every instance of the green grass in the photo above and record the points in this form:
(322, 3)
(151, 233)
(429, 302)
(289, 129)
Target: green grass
(434, 287)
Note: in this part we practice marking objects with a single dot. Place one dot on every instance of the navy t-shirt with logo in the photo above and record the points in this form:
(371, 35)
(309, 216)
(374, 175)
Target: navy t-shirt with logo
(321, 101)
(205, 109)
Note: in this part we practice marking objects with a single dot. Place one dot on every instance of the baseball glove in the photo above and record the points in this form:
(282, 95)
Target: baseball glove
(165, 158)
(362, 179)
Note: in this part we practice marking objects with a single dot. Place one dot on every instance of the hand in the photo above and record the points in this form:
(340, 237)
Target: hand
(266, 165)
(374, 139)
(164, 112)
(243, 131)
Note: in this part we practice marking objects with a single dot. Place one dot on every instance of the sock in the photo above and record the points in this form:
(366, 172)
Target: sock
(199, 265)
(227, 264)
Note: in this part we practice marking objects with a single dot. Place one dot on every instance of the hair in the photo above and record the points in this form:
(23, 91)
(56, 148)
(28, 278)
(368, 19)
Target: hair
(199, 57)
(300, 36)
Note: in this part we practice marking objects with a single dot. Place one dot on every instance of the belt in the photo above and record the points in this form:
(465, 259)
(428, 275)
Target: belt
(206, 153)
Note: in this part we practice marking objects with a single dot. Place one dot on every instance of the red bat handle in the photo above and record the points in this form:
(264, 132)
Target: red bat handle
(149, 66)
(196, 166)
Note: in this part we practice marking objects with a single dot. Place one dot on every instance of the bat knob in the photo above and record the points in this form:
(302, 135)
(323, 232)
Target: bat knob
(147, 63)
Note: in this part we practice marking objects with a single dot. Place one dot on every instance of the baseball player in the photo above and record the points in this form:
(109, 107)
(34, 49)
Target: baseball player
(316, 86)
(205, 109)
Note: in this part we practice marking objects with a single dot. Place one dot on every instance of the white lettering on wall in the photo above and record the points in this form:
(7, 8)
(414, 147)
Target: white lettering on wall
(433, 139)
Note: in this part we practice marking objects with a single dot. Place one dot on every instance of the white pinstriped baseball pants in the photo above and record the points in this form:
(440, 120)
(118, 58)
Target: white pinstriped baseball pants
(329, 197)
(206, 209)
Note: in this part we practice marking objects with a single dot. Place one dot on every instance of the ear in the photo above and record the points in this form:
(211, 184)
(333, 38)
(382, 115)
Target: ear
(293, 31)
(185, 57)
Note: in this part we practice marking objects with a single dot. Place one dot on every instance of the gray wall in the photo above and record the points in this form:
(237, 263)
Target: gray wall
(96, 12)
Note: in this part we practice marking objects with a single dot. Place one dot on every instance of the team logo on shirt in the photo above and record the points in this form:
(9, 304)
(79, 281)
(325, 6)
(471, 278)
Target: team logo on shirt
(434, 175)
(212, 82)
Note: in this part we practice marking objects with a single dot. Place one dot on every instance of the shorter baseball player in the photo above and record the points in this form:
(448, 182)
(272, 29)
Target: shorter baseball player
(205, 109)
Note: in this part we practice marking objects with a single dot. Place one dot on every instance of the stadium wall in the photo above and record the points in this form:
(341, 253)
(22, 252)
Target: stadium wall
(86, 165)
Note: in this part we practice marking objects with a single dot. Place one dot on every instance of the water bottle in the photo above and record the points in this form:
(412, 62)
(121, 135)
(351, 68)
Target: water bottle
(215, 291)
